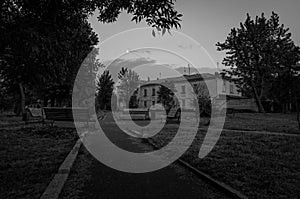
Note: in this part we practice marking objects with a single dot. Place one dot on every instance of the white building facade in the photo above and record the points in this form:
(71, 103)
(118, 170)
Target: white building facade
(184, 89)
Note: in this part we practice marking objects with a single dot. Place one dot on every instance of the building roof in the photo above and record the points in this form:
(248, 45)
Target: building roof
(184, 78)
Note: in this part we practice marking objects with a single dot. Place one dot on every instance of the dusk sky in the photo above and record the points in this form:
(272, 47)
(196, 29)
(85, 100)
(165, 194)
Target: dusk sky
(206, 21)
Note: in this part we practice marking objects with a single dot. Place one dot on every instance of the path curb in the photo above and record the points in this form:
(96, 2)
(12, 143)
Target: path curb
(226, 188)
(55, 186)
(218, 184)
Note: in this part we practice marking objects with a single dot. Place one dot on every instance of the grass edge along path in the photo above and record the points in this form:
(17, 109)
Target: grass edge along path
(56, 185)
(30, 156)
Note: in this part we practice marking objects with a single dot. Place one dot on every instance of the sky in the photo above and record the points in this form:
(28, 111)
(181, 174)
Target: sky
(204, 23)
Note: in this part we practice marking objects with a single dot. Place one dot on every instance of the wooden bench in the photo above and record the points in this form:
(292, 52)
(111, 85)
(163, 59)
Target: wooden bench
(135, 114)
(36, 113)
(231, 111)
(66, 114)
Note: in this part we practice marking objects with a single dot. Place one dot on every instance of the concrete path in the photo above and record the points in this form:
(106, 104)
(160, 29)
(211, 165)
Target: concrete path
(173, 181)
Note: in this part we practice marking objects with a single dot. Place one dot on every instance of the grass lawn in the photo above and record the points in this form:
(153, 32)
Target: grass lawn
(80, 176)
(30, 157)
(274, 122)
(8, 118)
(258, 165)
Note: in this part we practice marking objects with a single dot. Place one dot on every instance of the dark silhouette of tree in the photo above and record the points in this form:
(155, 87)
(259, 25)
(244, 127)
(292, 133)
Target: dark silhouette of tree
(295, 90)
(43, 42)
(166, 94)
(257, 52)
(203, 100)
(122, 73)
(133, 101)
(105, 87)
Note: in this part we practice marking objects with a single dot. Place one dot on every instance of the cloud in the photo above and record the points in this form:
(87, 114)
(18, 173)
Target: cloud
(114, 66)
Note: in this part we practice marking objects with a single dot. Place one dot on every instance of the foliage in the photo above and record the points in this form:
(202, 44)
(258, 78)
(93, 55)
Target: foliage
(203, 99)
(258, 52)
(43, 43)
(159, 14)
(166, 94)
(105, 87)
(133, 101)
(122, 73)
(86, 79)
(295, 91)
(127, 89)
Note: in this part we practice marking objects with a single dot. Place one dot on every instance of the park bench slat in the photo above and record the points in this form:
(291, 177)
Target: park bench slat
(66, 114)
(135, 114)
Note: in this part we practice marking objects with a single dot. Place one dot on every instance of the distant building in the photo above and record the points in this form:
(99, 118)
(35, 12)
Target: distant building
(184, 85)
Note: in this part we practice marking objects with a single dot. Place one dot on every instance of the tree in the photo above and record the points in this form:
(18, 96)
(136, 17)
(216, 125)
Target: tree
(43, 42)
(133, 101)
(296, 96)
(159, 14)
(166, 94)
(295, 90)
(86, 79)
(39, 52)
(105, 87)
(122, 73)
(257, 52)
(127, 89)
(203, 99)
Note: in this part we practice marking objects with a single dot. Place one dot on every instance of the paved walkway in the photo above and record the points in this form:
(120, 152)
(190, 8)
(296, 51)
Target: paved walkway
(173, 181)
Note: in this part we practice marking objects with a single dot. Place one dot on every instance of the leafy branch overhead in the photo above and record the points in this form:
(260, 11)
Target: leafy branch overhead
(159, 14)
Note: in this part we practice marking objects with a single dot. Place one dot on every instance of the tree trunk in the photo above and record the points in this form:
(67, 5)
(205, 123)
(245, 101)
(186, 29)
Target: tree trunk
(298, 112)
(284, 109)
(257, 99)
(22, 93)
(45, 102)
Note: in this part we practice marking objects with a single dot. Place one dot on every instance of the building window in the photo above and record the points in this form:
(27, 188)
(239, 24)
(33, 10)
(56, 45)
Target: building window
(183, 89)
(224, 86)
(145, 104)
(153, 91)
(145, 92)
(153, 102)
(231, 89)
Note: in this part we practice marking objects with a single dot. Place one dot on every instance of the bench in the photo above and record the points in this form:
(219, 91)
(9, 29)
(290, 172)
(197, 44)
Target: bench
(66, 114)
(231, 111)
(37, 113)
(135, 114)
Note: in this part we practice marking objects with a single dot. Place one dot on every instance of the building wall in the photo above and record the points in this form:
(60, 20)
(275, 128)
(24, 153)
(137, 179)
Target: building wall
(149, 99)
(227, 87)
(185, 91)
(215, 87)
